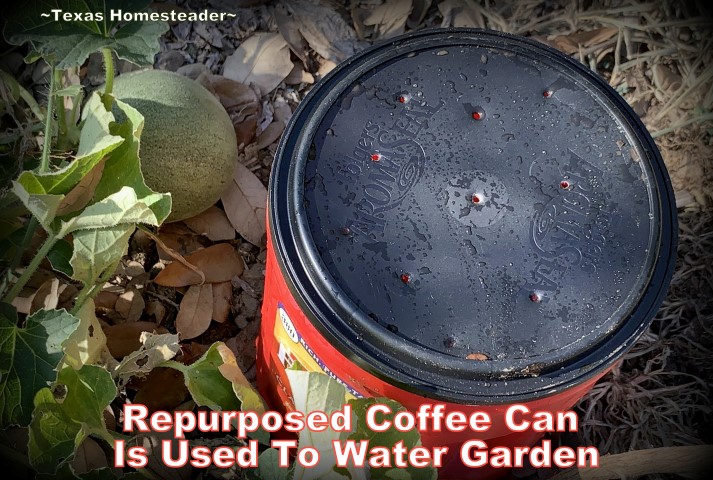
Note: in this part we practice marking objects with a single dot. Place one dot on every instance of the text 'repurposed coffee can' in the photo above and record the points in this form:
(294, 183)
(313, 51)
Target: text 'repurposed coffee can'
(466, 217)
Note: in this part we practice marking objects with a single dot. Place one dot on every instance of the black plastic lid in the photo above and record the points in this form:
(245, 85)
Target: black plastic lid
(465, 193)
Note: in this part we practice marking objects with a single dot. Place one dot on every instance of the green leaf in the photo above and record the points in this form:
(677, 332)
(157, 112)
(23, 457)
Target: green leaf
(268, 467)
(123, 168)
(96, 250)
(43, 193)
(66, 414)
(85, 344)
(69, 43)
(387, 439)
(314, 391)
(122, 208)
(155, 350)
(70, 91)
(28, 358)
(207, 385)
(59, 257)
(53, 434)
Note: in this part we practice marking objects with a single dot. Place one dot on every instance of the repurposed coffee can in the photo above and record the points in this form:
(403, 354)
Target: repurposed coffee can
(467, 217)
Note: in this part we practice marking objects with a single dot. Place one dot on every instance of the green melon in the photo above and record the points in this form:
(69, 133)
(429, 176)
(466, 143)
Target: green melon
(188, 145)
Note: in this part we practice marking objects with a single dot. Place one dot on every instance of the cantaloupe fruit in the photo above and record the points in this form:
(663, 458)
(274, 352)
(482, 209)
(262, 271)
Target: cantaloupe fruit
(188, 145)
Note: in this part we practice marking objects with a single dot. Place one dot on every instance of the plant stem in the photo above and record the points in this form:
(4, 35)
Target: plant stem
(82, 296)
(46, 147)
(91, 289)
(24, 94)
(61, 114)
(25, 277)
(109, 85)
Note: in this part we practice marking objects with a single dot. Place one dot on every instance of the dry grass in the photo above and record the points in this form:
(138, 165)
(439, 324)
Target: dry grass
(659, 56)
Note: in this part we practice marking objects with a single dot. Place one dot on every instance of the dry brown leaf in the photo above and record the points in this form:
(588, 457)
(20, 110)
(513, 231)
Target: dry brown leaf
(298, 75)
(195, 312)
(324, 29)
(290, 31)
(389, 18)
(164, 389)
(570, 43)
(47, 296)
(326, 67)
(82, 193)
(176, 236)
(106, 300)
(222, 299)
(212, 223)
(155, 309)
(124, 338)
(130, 305)
(262, 60)
(240, 101)
(461, 13)
(283, 112)
(218, 263)
(243, 345)
(418, 13)
(88, 456)
(271, 134)
(245, 202)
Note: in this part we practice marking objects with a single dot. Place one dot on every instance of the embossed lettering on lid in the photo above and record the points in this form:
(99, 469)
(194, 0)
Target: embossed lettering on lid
(474, 213)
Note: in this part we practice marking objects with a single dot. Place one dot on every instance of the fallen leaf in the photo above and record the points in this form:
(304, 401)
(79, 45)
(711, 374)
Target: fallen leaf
(222, 299)
(212, 223)
(298, 75)
(418, 13)
(46, 297)
(218, 263)
(326, 67)
(245, 202)
(106, 299)
(389, 18)
(570, 43)
(243, 345)
(324, 29)
(283, 112)
(290, 31)
(461, 13)
(240, 101)
(130, 305)
(262, 60)
(155, 309)
(164, 389)
(182, 242)
(124, 338)
(195, 312)
(82, 193)
(270, 135)
(88, 456)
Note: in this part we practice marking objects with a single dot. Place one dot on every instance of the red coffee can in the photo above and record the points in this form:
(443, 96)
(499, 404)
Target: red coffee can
(463, 217)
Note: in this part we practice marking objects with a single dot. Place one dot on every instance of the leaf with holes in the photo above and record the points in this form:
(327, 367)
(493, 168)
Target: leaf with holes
(68, 413)
(155, 349)
(85, 345)
(29, 358)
